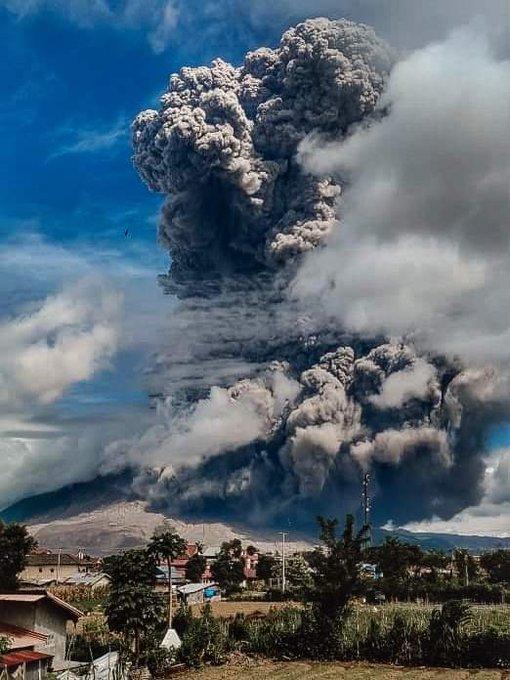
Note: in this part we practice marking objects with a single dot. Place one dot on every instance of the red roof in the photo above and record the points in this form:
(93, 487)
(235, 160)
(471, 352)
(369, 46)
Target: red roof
(16, 658)
(21, 637)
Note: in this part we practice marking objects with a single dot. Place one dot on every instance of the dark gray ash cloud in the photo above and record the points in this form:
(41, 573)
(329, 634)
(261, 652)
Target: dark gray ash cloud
(267, 404)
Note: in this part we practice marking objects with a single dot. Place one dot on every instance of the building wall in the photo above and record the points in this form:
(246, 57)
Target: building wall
(18, 614)
(41, 617)
(43, 573)
(52, 622)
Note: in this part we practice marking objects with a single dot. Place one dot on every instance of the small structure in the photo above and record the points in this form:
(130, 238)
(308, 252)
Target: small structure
(196, 593)
(22, 659)
(88, 579)
(43, 613)
(162, 578)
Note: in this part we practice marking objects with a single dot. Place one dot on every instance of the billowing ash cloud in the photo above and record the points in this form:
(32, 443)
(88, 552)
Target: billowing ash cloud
(265, 408)
(223, 146)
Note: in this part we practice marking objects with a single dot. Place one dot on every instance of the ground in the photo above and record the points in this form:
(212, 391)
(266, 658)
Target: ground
(331, 671)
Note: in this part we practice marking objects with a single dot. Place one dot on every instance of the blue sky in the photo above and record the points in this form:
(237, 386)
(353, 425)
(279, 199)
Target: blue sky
(74, 73)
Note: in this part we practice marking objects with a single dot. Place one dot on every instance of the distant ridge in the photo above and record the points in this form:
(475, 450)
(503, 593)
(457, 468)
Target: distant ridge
(82, 514)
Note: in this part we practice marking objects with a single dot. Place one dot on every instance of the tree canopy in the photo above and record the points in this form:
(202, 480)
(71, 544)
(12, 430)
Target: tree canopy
(15, 544)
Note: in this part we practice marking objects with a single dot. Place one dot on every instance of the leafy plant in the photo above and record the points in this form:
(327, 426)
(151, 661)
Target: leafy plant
(446, 631)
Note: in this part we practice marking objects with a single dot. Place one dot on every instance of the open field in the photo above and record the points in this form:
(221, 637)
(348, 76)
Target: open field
(483, 616)
(332, 671)
(226, 609)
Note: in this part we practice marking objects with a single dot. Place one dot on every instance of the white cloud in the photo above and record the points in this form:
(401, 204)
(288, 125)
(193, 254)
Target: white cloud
(423, 242)
(91, 140)
(65, 340)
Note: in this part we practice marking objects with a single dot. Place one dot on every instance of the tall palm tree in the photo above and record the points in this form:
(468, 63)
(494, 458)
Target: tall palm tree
(168, 546)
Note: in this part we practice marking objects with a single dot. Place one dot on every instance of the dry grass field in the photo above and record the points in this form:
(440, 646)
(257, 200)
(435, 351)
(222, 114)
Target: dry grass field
(225, 609)
(333, 671)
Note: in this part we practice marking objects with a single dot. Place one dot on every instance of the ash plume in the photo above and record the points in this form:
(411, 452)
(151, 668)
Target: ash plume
(267, 411)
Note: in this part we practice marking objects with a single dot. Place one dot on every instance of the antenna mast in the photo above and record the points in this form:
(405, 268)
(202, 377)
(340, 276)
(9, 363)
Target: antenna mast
(366, 511)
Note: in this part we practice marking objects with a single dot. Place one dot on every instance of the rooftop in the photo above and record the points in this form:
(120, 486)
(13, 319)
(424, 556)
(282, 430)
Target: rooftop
(55, 559)
(21, 637)
(40, 596)
(17, 658)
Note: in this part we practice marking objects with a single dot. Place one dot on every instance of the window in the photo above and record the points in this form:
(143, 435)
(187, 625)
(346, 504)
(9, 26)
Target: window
(40, 570)
(52, 570)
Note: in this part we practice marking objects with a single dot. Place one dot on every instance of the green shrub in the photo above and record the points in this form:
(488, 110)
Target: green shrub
(205, 640)
(448, 642)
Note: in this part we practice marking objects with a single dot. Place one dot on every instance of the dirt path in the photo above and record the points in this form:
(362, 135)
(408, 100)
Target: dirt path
(332, 671)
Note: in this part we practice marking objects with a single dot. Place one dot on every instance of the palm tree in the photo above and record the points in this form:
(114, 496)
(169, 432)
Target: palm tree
(168, 546)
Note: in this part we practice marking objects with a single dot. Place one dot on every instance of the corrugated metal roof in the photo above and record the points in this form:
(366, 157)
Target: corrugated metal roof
(21, 637)
(195, 587)
(17, 658)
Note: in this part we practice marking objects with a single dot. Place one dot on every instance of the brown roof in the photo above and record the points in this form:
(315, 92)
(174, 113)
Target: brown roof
(17, 658)
(21, 637)
(52, 560)
(39, 596)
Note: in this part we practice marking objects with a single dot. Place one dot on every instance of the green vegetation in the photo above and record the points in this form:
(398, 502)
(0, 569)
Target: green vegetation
(228, 568)
(15, 544)
(133, 609)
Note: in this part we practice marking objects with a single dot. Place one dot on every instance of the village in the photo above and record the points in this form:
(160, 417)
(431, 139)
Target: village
(67, 614)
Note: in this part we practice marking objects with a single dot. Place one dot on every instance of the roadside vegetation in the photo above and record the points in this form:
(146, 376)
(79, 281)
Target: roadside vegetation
(343, 602)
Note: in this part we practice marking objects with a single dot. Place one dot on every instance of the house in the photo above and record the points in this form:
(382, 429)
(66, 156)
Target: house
(43, 613)
(196, 593)
(46, 568)
(178, 578)
(88, 579)
(21, 658)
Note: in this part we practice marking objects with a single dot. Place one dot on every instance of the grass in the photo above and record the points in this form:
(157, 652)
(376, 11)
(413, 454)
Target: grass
(332, 671)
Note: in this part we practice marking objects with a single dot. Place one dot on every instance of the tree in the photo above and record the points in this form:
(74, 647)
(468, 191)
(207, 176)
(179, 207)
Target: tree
(265, 566)
(465, 565)
(15, 544)
(168, 546)
(396, 560)
(336, 577)
(298, 575)
(228, 568)
(497, 565)
(195, 568)
(133, 609)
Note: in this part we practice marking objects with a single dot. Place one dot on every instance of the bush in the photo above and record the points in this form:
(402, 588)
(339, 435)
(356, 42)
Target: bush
(205, 640)
(448, 643)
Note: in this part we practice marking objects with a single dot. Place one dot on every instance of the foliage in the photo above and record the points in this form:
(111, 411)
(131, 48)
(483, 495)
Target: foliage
(131, 568)
(265, 566)
(298, 576)
(167, 545)
(205, 640)
(497, 565)
(133, 609)
(195, 568)
(465, 566)
(447, 640)
(335, 578)
(182, 619)
(4, 644)
(84, 597)
(228, 568)
(15, 544)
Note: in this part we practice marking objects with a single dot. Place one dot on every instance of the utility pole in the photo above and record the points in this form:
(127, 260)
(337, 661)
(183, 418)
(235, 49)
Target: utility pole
(283, 560)
(366, 510)
(59, 560)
